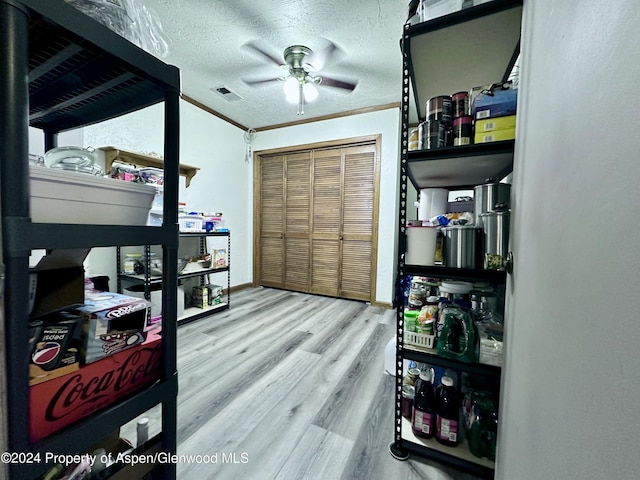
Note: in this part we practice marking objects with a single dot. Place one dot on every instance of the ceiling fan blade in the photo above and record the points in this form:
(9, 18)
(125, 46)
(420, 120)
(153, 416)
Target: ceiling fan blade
(261, 51)
(333, 82)
(320, 57)
(260, 81)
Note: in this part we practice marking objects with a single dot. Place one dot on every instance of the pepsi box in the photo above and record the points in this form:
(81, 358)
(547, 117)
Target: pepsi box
(112, 322)
(54, 344)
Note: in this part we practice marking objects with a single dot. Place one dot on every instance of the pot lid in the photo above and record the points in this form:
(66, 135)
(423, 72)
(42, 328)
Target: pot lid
(456, 287)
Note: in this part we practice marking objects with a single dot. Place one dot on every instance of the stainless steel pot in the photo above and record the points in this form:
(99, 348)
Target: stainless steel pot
(495, 228)
(460, 246)
(488, 195)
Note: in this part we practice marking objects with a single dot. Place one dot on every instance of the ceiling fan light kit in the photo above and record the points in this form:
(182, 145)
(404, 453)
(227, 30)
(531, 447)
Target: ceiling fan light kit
(299, 81)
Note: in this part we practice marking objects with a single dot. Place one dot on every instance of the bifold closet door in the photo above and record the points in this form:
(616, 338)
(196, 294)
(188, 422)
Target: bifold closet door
(358, 228)
(272, 221)
(297, 203)
(317, 220)
(327, 218)
(344, 181)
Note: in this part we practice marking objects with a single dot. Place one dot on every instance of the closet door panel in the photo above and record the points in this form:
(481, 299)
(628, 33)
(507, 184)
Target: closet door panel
(325, 279)
(298, 220)
(271, 261)
(327, 217)
(298, 193)
(359, 185)
(272, 221)
(327, 192)
(297, 274)
(355, 278)
(358, 222)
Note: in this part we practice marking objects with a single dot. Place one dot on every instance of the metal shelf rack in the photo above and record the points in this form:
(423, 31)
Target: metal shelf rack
(62, 70)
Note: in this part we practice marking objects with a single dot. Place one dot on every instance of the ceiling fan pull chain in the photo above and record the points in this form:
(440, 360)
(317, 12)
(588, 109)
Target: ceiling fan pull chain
(300, 99)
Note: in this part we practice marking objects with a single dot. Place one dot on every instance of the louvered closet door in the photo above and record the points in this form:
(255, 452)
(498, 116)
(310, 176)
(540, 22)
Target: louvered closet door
(272, 221)
(358, 227)
(327, 211)
(297, 218)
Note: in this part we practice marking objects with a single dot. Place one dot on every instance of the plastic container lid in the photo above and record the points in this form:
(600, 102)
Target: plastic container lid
(134, 255)
(447, 381)
(433, 299)
(425, 375)
(456, 287)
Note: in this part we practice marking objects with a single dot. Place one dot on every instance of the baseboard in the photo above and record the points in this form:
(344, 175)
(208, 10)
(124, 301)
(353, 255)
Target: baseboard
(386, 305)
(237, 288)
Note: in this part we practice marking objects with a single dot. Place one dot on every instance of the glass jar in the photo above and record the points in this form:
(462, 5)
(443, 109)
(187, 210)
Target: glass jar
(132, 264)
(408, 394)
(411, 376)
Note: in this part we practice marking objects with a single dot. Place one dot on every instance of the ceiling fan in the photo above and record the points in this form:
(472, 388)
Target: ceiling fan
(301, 66)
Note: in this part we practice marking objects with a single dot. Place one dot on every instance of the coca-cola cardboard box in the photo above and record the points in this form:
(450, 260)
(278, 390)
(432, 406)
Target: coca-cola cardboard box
(64, 400)
(112, 322)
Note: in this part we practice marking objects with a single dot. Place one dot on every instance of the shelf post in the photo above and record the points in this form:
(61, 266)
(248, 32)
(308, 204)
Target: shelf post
(14, 199)
(169, 268)
(395, 448)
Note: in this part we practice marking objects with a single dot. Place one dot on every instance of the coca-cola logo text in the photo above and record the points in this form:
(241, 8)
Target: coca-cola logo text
(79, 392)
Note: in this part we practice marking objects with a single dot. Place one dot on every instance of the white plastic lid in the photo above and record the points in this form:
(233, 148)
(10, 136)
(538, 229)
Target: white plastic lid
(456, 287)
(425, 375)
(447, 381)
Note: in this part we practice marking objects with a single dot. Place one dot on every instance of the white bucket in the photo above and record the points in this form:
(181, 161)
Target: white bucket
(433, 202)
(421, 245)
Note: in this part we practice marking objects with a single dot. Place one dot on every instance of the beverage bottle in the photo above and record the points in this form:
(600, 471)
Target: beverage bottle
(424, 414)
(447, 413)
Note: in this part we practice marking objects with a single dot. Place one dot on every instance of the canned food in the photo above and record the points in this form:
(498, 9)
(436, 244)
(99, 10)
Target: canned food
(439, 108)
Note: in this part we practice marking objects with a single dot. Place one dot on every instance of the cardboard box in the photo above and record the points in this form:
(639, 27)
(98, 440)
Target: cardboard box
(219, 258)
(112, 322)
(499, 101)
(58, 282)
(495, 136)
(493, 124)
(65, 400)
(200, 297)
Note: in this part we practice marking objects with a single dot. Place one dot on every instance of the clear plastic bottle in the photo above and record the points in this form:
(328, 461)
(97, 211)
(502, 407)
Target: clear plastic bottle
(447, 413)
(424, 412)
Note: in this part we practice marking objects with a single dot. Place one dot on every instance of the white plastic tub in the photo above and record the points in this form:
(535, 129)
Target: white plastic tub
(421, 245)
(59, 196)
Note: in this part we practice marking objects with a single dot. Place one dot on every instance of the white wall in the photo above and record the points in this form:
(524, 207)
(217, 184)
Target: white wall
(572, 377)
(222, 184)
(384, 122)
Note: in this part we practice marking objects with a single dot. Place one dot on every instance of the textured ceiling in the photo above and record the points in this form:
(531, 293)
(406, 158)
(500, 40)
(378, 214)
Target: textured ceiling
(207, 38)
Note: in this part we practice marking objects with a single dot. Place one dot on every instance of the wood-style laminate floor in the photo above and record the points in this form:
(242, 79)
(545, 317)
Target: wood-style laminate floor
(290, 386)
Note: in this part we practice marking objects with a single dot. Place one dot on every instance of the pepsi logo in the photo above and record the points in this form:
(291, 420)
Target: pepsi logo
(47, 353)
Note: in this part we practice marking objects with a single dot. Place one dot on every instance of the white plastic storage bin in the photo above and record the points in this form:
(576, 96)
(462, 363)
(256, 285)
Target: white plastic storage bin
(59, 196)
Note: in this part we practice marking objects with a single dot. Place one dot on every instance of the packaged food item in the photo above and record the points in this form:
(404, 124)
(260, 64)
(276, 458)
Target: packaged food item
(220, 258)
(200, 296)
(408, 394)
(428, 316)
(132, 264)
(410, 320)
